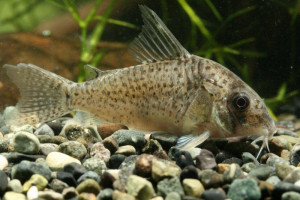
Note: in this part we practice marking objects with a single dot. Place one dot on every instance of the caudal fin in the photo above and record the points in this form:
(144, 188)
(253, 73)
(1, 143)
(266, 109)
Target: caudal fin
(44, 95)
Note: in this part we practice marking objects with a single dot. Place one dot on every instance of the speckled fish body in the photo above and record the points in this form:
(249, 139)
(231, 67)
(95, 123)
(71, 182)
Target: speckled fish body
(170, 91)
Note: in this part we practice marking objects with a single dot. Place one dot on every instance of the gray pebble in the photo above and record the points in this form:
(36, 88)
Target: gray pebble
(74, 149)
(290, 196)
(262, 172)
(95, 164)
(25, 142)
(169, 185)
(242, 189)
(44, 130)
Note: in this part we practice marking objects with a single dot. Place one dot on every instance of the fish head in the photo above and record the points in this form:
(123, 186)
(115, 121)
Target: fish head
(242, 112)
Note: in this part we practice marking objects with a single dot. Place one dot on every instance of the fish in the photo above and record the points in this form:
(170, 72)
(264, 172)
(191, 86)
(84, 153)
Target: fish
(170, 90)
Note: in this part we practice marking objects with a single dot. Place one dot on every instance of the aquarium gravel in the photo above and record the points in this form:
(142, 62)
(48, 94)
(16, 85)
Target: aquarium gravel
(58, 161)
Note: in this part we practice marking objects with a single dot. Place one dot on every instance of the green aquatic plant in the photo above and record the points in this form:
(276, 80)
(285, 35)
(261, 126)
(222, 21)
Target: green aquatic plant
(90, 41)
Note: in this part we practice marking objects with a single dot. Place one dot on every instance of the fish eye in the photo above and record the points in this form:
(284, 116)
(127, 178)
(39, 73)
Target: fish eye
(240, 102)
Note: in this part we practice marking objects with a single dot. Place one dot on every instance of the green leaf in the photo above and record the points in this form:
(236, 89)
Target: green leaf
(214, 10)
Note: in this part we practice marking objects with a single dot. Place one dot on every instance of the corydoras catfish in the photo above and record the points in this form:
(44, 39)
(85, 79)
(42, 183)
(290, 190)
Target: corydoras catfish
(171, 90)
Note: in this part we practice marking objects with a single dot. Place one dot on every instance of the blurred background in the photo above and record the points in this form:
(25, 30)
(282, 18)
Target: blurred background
(256, 39)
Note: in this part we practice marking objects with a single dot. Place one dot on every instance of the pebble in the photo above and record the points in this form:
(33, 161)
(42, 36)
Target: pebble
(213, 194)
(130, 137)
(3, 162)
(44, 130)
(282, 170)
(55, 139)
(75, 169)
(166, 140)
(221, 168)
(15, 186)
(282, 187)
(206, 160)
(106, 130)
(273, 180)
(3, 181)
(32, 193)
(15, 157)
(234, 171)
(50, 194)
(89, 186)
(25, 142)
(295, 155)
(115, 161)
(57, 161)
(274, 159)
(143, 165)
(247, 167)
(26, 169)
(66, 177)
(73, 148)
(99, 151)
(242, 189)
(128, 161)
(56, 126)
(105, 194)
(35, 180)
(173, 196)
(210, 178)
(262, 172)
(193, 187)
(73, 132)
(233, 160)
(111, 144)
(95, 164)
(47, 148)
(108, 178)
(70, 193)
(58, 185)
(89, 175)
(293, 176)
(126, 150)
(14, 196)
(163, 168)
(169, 185)
(189, 172)
(290, 196)
(117, 195)
(248, 157)
(152, 146)
(183, 159)
(140, 188)
(4, 144)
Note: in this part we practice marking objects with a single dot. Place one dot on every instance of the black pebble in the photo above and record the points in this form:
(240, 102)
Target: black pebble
(223, 155)
(67, 178)
(3, 182)
(189, 172)
(283, 187)
(75, 169)
(115, 161)
(15, 157)
(183, 159)
(233, 160)
(213, 194)
(172, 151)
(206, 160)
(56, 127)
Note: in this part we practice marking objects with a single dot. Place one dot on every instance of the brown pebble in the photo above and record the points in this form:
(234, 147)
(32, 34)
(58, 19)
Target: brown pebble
(122, 196)
(265, 188)
(106, 130)
(285, 154)
(143, 165)
(87, 196)
(222, 167)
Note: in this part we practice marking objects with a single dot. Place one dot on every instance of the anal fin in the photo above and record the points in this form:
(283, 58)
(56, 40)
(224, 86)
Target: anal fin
(192, 140)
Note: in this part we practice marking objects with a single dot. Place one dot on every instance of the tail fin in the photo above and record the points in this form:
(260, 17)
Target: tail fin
(44, 95)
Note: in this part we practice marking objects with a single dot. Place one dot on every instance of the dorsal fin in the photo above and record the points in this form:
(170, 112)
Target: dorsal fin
(155, 42)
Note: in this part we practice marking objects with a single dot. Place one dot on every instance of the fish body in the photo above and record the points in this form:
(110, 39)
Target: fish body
(172, 91)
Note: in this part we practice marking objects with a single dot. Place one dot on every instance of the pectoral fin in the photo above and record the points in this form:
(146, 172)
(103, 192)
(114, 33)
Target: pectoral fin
(191, 141)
